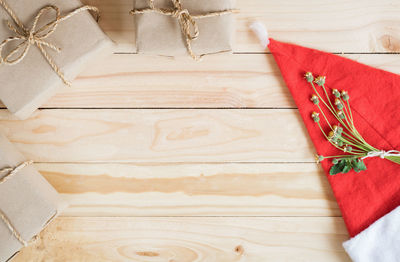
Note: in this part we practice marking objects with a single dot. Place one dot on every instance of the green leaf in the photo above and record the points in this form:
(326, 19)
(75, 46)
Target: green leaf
(345, 165)
(346, 169)
(354, 164)
(336, 169)
(361, 165)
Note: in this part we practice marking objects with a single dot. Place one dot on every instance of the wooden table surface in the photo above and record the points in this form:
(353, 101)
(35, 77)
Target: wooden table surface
(166, 159)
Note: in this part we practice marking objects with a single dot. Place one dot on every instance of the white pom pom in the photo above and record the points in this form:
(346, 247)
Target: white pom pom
(259, 29)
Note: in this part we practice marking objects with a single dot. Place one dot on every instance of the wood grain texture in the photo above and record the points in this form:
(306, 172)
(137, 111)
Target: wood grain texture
(137, 81)
(190, 239)
(335, 26)
(126, 135)
(192, 189)
(233, 181)
(134, 81)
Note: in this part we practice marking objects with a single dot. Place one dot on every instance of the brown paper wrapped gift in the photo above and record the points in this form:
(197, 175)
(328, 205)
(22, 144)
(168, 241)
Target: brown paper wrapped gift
(27, 201)
(161, 31)
(28, 84)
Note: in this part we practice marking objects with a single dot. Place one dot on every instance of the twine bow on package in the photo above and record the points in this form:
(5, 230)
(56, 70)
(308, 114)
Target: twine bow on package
(44, 44)
(27, 201)
(179, 27)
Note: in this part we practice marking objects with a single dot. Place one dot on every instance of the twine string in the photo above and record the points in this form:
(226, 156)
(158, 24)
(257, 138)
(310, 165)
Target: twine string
(187, 21)
(10, 172)
(27, 37)
(382, 154)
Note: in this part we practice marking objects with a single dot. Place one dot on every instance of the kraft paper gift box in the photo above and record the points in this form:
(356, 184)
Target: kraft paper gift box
(27, 85)
(27, 201)
(158, 34)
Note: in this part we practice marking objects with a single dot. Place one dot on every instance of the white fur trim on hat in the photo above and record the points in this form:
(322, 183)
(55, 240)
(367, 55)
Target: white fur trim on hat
(380, 242)
(259, 29)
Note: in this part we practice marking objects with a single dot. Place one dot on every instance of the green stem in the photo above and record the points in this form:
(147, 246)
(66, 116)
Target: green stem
(327, 97)
(395, 159)
(352, 139)
(326, 119)
(350, 118)
(330, 108)
(353, 131)
(355, 145)
(346, 118)
(344, 156)
(323, 101)
(327, 138)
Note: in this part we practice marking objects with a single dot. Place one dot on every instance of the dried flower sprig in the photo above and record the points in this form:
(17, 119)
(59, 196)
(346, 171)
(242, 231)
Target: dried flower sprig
(343, 135)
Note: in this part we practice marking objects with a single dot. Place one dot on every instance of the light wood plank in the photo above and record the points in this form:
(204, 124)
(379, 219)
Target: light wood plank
(192, 189)
(335, 26)
(190, 239)
(147, 81)
(161, 135)
(219, 81)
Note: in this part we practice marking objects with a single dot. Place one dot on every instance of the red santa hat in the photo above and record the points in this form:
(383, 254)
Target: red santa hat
(368, 199)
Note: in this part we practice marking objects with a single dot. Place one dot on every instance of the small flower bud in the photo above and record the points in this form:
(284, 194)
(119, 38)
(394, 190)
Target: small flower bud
(335, 161)
(341, 114)
(309, 77)
(331, 134)
(315, 99)
(319, 159)
(336, 93)
(347, 148)
(336, 129)
(345, 96)
(315, 117)
(320, 80)
(340, 143)
(338, 104)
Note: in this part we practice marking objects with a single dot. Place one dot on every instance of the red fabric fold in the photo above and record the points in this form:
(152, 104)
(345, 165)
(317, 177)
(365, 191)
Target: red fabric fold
(375, 102)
